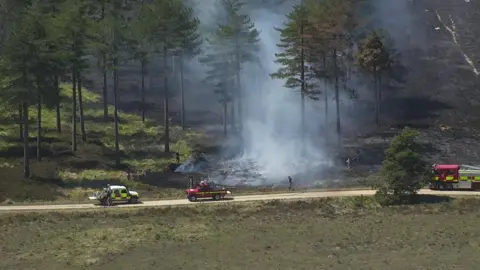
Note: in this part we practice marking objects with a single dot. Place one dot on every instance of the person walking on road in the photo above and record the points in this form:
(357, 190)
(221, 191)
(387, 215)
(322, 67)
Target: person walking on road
(290, 183)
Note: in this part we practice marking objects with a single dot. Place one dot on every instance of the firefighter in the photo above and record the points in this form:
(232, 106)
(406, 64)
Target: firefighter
(190, 181)
(108, 190)
(290, 183)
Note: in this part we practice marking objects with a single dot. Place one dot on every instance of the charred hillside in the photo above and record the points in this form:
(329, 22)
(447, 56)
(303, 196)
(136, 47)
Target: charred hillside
(439, 92)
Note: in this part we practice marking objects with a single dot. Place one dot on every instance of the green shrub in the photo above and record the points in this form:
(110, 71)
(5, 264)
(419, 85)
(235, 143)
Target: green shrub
(403, 171)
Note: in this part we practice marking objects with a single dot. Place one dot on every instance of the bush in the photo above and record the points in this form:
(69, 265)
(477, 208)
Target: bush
(403, 171)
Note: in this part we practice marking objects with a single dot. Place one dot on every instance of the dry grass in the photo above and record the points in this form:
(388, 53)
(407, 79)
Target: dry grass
(348, 233)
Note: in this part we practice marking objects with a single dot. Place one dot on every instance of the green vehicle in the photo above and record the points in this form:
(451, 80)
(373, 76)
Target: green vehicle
(117, 194)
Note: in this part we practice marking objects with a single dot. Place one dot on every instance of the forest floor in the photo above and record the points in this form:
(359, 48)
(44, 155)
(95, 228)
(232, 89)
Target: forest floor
(333, 233)
(66, 175)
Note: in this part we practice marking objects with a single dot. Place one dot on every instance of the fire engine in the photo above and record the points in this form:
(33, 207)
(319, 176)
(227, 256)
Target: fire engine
(454, 176)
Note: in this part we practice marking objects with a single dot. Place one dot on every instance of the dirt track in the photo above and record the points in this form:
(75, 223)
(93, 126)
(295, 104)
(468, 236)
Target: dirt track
(302, 195)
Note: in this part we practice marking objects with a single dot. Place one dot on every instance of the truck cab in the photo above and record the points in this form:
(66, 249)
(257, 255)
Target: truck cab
(445, 176)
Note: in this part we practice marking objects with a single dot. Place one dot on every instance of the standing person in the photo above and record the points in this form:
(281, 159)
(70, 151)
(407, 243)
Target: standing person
(290, 183)
(109, 195)
(190, 180)
(177, 157)
(348, 163)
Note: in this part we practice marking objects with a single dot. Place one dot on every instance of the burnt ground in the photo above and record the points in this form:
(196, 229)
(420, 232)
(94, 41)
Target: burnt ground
(438, 95)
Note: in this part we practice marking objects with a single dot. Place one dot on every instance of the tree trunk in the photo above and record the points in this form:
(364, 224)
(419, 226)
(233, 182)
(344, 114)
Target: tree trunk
(20, 120)
(239, 86)
(105, 88)
(39, 126)
(26, 158)
(182, 93)
(337, 96)
(375, 87)
(325, 95)
(302, 79)
(232, 115)
(80, 107)
(74, 109)
(115, 109)
(379, 87)
(225, 114)
(165, 102)
(142, 102)
(57, 105)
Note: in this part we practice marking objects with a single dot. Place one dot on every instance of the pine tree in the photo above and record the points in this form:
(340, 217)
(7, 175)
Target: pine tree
(374, 58)
(333, 21)
(24, 61)
(221, 72)
(293, 60)
(140, 48)
(403, 170)
(170, 23)
(242, 36)
(71, 26)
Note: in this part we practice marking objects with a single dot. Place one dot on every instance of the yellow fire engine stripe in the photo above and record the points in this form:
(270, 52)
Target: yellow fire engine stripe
(436, 178)
(463, 178)
(476, 178)
(449, 178)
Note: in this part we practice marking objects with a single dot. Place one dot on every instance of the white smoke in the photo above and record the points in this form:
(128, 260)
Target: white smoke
(272, 128)
(272, 136)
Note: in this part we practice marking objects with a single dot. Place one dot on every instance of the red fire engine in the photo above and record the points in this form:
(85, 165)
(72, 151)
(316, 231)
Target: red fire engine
(454, 176)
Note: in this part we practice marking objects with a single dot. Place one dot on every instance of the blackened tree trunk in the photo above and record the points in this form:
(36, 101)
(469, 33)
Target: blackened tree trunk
(105, 88)
(26, 160)
(225, 114)
(325, 94)
(57, 105)
(20, 120)
(115, 109)
(337, 96)
(182, 93)
(165, 101)
(232, 115)
(74, 109)
(302, 92)
(142, 102)
(39, 125)
(376, 93)
(80, 107)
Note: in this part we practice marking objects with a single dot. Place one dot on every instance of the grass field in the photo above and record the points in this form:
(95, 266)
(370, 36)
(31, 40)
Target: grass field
(348, 233)
(66, 175)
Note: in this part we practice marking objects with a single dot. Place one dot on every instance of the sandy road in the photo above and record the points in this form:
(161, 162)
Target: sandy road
(245, 198)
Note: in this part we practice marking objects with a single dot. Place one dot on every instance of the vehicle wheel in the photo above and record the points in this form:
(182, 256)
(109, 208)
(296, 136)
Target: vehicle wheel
(216, 197)
(192, 198)
(450, 186)
(133, 200)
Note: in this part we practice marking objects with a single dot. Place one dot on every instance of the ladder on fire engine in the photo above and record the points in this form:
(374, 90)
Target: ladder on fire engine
(469, 167)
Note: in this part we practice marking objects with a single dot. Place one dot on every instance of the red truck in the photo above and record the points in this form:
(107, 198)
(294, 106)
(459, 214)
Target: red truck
(206, 191)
